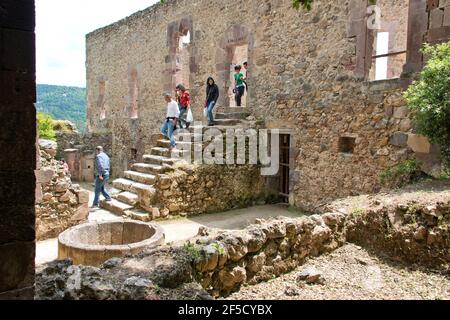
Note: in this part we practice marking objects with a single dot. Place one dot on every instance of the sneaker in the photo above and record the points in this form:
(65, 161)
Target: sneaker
(108, 200)
(210, 124)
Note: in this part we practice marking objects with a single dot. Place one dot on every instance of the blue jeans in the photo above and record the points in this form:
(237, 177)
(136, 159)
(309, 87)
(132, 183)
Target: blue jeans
(100, 188)
(167, 130)
(211, 106)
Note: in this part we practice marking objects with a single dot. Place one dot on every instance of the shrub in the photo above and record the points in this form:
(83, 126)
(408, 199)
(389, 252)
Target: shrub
(429, 98)
(45, 126)
(405, 172)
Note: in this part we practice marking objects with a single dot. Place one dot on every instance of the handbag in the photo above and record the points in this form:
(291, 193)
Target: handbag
(205, 112)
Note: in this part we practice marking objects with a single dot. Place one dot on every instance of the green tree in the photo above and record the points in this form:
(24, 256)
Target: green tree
(45, 126)
(429, 98)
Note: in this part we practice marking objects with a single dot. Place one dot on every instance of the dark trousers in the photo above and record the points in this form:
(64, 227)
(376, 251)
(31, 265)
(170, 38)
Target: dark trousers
(182, 123)
(100, 188)
(239, 93)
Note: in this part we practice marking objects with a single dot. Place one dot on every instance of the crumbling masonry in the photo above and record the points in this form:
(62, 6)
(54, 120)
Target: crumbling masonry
(311, 75)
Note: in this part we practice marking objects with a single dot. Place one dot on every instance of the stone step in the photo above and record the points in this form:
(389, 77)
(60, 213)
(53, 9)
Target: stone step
(137, 214)
(128, 197)
(148, 168)
(221, 128)
(131, 186)
(232, 110)
(115, 206)
(123, 184)
(139, 177)
(158, 151)
(232, 115)
(227, 122)
(159, 160)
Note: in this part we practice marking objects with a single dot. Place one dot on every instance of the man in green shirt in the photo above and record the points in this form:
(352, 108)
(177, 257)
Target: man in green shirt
(239, 85)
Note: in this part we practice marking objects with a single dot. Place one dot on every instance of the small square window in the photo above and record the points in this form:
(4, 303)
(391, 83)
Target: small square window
(347, 145)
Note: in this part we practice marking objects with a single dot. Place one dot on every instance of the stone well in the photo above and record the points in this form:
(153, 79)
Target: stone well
(94, 243)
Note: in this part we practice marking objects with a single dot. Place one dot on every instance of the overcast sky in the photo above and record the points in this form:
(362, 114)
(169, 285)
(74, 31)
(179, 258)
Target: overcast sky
(61, 26)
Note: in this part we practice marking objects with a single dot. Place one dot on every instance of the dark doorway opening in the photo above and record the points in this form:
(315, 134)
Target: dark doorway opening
(285, 143)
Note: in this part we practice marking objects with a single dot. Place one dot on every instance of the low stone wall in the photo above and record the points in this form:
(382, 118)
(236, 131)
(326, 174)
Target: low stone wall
(411, 232)
(223, 261)
(194, 189)
(84, 142)
(59, 203)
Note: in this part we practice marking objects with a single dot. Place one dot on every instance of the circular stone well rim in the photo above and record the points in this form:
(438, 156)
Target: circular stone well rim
(157, 238)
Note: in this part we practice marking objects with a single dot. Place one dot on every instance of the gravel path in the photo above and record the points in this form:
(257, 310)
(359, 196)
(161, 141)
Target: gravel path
(352, 273)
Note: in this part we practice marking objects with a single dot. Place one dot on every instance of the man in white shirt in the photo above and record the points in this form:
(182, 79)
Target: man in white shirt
(170, 123)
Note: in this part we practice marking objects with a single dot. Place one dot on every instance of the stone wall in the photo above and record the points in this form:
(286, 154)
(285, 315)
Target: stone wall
(192, 190)
(17, 156)
(308, 82)
(439, 30)
(414, 232)
(59, 204)
(79, 152)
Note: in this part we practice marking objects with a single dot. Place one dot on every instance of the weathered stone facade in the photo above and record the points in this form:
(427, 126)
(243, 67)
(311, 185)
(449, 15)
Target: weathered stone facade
(59, 203)
(17, 156)
(308, 76)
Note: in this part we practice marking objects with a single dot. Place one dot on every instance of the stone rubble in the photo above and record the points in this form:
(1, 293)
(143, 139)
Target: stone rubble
(59, 203)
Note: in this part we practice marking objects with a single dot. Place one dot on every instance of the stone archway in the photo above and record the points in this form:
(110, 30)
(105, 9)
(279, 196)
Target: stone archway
(236, 36)
(176, 30)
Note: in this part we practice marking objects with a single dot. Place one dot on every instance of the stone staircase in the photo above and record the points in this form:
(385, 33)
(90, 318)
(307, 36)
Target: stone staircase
(133, 192)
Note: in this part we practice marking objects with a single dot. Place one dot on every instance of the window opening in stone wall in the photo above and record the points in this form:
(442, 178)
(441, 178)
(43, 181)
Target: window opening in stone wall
(101, 99)
(390, 41)
(133, 154)
(285, 143)
(182, 59)
(239, 55)
(381, 64)
(134, 95)
(347, 145)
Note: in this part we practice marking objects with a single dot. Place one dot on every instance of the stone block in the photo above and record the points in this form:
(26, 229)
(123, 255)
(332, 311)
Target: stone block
(419, 143)
(39, 195)
(399, 139)
(44, 176)
(81, 213)
(439, 34)
(83, 196)
(17, 265)
(436, 18)
(17, 87)
(14, 143)
(17, 51)
(17, 223)
(405, 125)
(446, 21)
(17, 15)
(11, 191)
(401, 112)
(431, 163)
(444, 3)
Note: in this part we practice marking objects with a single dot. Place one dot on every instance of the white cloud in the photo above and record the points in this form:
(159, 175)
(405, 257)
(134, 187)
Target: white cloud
(61, 26)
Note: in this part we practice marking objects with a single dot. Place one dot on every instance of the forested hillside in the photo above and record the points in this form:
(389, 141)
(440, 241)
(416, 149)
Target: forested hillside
(63, 103)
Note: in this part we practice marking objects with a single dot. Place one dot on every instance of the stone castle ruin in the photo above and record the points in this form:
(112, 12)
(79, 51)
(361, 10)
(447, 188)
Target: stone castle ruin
(329, 80)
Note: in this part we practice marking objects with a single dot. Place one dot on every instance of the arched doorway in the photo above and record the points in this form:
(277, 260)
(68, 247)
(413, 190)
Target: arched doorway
(234, 48)
(179, 63)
